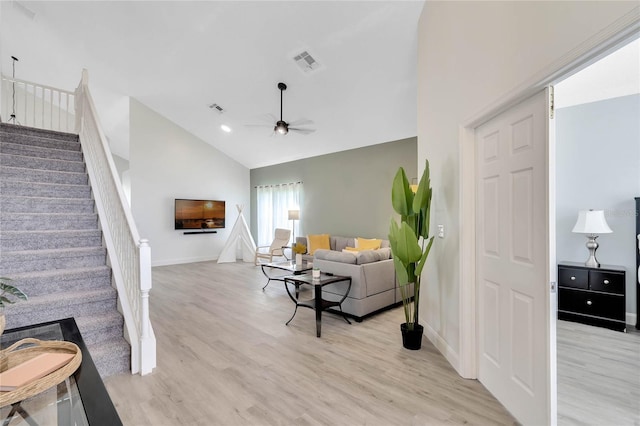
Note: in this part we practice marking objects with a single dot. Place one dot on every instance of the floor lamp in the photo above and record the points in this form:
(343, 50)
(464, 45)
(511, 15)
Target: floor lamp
(293, 216)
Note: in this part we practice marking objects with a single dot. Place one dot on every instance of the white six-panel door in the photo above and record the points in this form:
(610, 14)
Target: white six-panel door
(513, 259)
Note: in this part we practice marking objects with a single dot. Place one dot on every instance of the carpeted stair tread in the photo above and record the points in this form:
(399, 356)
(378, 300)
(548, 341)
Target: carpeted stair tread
(41, 163)
(33, 132)
(51, 190)
(54, 306)
(69, 145)
(21, 204)
(42, 260)
(97, 328)
(112, 357)
(35, 283)
(49, 176)
(49, 239)
(48, 221)
(39, 151)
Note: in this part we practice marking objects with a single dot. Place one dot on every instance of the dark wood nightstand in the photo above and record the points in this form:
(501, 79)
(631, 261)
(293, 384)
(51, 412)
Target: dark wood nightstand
(594, 296)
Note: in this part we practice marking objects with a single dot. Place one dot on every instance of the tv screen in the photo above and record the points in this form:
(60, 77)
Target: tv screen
(199, 214)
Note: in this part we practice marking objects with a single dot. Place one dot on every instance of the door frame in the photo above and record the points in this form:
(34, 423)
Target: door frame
(621, 31)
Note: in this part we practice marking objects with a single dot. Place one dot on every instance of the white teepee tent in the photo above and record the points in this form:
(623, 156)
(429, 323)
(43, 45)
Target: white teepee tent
(240, 236)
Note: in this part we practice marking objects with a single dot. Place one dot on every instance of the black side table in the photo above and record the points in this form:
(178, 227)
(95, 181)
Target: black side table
(317, 303)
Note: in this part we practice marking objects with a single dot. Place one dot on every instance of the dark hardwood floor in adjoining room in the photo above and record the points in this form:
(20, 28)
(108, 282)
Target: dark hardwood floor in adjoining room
(225, 357)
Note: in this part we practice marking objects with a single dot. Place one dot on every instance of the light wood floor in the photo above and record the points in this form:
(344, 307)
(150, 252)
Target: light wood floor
(225, 357)
(598, 376)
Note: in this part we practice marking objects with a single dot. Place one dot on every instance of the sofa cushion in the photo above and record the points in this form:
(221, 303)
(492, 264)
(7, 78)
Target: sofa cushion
(315, 242)
(335, 256)
(340, 243)
(366, 256)
(368, 244)
(370, 256)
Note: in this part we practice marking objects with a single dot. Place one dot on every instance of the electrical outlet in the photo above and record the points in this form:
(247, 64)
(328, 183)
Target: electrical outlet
(440, 231)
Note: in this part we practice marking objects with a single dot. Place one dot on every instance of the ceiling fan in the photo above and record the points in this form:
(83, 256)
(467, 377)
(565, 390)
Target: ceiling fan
(282, 127)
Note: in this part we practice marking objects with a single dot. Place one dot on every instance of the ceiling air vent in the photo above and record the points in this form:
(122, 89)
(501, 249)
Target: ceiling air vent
(306, 62)
(217, 108)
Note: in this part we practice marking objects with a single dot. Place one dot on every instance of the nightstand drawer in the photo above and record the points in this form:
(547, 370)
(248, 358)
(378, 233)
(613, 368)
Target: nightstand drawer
(569, 277)
(597, 304)
(609, 282)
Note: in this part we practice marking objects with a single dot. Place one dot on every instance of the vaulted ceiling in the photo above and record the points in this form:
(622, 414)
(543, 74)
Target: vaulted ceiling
(180, 57)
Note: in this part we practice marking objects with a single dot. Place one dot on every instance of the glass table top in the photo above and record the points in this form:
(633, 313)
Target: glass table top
(61, 404)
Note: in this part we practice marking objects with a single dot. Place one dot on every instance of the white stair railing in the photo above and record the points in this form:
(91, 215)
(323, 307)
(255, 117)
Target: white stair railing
(36, 105)
(130, 256)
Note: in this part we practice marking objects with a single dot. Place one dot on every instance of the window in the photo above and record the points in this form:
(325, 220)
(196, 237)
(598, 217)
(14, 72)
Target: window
(273, 205)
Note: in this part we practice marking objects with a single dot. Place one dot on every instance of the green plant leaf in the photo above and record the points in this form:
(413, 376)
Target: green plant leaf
(401, 272)
(423, 259)
(401, 195)
(407, 247)
(422, 203)
(4, 300)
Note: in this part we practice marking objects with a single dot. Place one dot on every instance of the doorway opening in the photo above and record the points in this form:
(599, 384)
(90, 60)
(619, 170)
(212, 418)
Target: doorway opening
(598, 167)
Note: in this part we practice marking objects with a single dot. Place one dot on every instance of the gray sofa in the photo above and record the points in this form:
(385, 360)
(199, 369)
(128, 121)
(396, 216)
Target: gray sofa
(373, 279)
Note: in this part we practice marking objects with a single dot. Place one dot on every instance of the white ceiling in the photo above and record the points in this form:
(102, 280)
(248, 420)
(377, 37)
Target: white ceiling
(179, 57)
(615, 75)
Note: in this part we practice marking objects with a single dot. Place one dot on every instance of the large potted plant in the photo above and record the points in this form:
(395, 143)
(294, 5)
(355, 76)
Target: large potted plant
(7, 290)
(410, 245)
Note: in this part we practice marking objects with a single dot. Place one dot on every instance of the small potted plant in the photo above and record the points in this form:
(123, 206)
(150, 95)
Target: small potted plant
(410, 245)
(6, 291)
(299, 250)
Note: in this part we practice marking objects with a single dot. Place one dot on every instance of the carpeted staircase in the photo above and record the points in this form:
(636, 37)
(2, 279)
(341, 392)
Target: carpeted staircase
(51, 243)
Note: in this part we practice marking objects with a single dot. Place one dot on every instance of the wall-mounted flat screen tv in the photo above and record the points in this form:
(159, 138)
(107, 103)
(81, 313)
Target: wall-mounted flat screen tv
(199, 214)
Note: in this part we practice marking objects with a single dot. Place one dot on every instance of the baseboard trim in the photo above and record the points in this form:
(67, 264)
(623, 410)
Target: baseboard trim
(631, 319)
(449, 354)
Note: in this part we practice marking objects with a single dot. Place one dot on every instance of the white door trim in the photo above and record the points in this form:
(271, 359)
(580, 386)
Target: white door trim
(610, 38)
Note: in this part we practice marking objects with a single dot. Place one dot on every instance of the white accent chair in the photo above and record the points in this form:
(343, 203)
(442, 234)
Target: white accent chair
(280, 241)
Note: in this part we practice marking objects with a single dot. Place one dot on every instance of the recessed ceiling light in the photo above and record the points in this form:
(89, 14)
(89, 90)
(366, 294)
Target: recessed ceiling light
(225, 128)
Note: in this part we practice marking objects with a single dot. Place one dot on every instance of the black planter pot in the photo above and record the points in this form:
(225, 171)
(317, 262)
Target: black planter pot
(412, 339)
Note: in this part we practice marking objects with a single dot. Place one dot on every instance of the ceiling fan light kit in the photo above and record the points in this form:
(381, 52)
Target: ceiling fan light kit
(282, 127)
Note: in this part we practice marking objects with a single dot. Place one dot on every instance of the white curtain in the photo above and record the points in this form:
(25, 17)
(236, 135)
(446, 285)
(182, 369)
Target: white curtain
(273, 205)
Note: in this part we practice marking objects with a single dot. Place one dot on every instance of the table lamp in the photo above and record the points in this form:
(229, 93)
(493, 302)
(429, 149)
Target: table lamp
(293, 216)
(591, 222)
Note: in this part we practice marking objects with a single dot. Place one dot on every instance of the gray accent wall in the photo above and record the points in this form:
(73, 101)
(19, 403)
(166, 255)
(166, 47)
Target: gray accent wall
(345, 193)
(598, 167)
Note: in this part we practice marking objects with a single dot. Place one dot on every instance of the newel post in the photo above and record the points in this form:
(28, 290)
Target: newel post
(147, 343)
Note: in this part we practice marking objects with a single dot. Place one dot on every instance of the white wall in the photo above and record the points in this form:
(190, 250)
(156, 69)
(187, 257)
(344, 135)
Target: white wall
(469, 55)
(598, 167)
(166, 163)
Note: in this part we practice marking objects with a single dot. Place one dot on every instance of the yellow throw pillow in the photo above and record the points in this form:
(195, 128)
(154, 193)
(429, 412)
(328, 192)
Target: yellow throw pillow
(351, 249)
(368, 244)
(315, 242)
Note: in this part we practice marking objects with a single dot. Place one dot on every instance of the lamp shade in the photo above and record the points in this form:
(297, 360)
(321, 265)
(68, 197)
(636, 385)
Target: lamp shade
(294, 214)
(591, 222)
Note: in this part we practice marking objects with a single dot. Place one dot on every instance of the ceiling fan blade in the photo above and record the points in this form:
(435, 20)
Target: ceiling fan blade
(303, 131)
(301, 122)
(259, 125)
